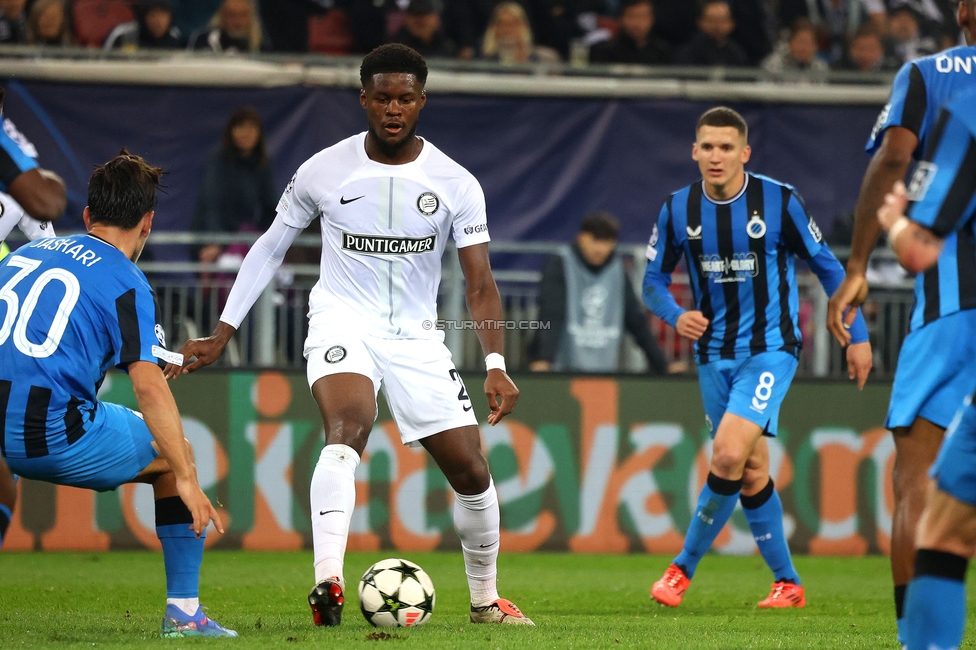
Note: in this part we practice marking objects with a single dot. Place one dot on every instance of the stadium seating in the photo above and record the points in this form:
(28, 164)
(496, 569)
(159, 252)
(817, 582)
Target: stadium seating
(94, 19)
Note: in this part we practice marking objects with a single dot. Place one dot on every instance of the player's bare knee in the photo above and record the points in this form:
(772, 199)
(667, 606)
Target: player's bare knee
(754, 479)
(728, 462)
(348, 429)
(909, 477)
(470, 476)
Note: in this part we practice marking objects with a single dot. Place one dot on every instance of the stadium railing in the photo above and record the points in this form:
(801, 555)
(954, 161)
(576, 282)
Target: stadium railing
(191, 296)
(184, 68)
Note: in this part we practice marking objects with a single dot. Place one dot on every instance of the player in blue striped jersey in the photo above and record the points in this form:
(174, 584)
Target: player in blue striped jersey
(71, 308)
(925, 394)
(943, 191)
(22, 183)
(739, 233)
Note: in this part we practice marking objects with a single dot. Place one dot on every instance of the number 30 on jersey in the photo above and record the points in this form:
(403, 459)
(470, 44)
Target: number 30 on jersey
(17, 316)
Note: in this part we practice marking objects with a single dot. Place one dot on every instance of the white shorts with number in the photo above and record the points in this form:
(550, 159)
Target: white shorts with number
(422, 388)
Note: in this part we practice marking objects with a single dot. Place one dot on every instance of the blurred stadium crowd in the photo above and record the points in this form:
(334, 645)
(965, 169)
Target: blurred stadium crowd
(776, 36)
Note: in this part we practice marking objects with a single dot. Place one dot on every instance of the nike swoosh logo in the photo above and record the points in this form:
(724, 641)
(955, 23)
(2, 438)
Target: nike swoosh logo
(488, 545)
(344, 200)
(325, 512)
(467, 408)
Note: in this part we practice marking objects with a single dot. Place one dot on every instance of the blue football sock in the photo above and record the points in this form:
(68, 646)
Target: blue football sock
(935, 605)
(5, 517)
(715, 505)
(182, 550)
(764, 512)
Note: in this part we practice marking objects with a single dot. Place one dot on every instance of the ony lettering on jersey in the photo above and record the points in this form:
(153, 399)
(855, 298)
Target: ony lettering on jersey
(384, 245)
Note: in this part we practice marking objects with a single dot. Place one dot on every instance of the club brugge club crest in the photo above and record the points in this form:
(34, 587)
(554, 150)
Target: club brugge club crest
(428, 203)
(335, 354)
(756, 227)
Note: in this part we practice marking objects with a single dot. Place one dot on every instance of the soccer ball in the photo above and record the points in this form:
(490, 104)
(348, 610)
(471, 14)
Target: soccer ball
(396, 593)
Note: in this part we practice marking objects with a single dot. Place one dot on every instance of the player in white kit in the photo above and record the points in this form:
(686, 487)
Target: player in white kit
(387, 200)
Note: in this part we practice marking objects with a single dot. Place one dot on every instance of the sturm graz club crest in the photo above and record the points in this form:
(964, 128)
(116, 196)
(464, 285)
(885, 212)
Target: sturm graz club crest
(428, 203)
(335, 354)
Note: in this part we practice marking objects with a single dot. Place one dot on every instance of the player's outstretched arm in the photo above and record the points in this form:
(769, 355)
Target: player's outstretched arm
(163, 419)
(887, 166)
(485, 304)
(257, 270)
(859, 356)
(204, 351)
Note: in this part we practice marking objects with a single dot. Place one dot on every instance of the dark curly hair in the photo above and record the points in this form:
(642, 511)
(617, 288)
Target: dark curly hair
(123, 190)
(396, 58)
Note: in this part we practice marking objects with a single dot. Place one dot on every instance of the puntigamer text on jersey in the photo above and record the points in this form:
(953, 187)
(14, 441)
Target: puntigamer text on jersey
(382, 245)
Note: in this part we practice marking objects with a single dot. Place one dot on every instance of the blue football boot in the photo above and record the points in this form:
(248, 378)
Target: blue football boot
(178, 624)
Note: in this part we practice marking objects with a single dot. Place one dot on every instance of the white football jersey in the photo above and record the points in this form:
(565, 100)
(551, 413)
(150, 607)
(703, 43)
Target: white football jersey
(11, 215)
(384, 230)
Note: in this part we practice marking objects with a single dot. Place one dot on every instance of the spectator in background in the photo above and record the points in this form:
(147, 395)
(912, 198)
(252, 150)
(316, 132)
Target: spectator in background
(634, 43)
(712, 45)
(508, 38)
(153, 28)
(865, 53)
(47, 24)
(797, 59)
(13, 21)
(191, 16)
(238, 190)
(838, 19)
(422, 31)
(907, 40)
(235, 28)
(588, 301)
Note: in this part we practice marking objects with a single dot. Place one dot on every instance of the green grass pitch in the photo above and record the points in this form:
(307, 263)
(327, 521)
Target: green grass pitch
(116, 600)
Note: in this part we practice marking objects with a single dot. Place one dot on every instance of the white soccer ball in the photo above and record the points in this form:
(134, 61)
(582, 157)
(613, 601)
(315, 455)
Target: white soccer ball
(396, 593)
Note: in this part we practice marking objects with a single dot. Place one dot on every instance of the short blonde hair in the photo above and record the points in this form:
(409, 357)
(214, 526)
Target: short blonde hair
(489, 46)
(256, 37)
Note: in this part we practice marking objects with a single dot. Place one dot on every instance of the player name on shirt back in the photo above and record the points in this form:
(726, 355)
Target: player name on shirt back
(69, 246)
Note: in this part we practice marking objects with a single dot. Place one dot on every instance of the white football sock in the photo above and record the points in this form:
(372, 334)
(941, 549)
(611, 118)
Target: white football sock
(477, 522)
(188, 605)
(333, 496)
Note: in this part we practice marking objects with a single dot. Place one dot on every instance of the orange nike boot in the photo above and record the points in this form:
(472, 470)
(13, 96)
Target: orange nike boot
(785, 594)
(671, 588)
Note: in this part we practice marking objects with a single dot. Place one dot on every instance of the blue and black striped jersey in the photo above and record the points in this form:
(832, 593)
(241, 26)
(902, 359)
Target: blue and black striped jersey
(921, 88)
(70, 309)
(740, 256)
(943, 194)
(17, 155)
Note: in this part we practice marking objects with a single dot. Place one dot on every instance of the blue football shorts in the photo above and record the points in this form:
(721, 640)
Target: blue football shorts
(935, 371)
(955, 468)
(116, 447)
(752, 388)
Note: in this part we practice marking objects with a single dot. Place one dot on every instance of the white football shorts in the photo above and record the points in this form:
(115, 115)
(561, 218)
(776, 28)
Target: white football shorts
(423, 389)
